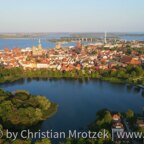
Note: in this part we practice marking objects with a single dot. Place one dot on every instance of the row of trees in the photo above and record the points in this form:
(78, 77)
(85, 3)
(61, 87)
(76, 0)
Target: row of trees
(130, 74)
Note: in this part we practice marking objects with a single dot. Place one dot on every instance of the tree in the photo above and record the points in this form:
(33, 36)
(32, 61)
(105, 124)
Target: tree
(18, 141)
(1, 127)
(108, 117)
(68, 141)
(43, 141)
(133, 74)
(129, 114)
(6, 110)
(121, 74)
(81, 141)
(44, 102)
(138, 70)
(113, 73)
(99, 123)
(38, 113)
(23, 110)
(141, 130)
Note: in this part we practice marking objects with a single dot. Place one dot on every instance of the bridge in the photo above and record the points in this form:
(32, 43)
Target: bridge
(82, 39)
(61, 39)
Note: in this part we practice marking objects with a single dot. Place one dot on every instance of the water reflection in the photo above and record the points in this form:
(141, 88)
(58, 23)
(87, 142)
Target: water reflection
(20, 81)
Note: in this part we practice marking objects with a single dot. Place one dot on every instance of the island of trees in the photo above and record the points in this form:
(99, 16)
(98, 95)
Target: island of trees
(21, 109)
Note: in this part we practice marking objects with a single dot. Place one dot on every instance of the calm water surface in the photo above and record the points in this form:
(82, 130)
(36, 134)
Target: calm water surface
(79, 101)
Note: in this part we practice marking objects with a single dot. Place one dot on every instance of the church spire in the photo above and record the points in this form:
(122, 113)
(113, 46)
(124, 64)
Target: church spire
(39, 45)
(39, 42)
(105, 37)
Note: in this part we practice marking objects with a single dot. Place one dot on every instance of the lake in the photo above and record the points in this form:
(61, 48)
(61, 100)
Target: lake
(79, 101)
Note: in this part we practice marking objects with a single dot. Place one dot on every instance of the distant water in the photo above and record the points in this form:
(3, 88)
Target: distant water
(130, 38)
(12, 43)
(9, 43)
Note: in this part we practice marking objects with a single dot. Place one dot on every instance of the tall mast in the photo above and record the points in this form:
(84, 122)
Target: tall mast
(105, 37)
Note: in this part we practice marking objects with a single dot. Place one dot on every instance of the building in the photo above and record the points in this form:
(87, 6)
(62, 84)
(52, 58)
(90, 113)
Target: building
(37, 51)
(42, 65)
(140, 123)
(116, 118)
(58, 45)
(118, 125)
(78, 45)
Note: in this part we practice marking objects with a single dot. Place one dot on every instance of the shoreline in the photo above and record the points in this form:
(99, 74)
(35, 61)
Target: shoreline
(110, 80)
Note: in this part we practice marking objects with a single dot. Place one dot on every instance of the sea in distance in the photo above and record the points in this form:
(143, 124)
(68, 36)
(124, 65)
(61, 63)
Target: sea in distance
(12, 43)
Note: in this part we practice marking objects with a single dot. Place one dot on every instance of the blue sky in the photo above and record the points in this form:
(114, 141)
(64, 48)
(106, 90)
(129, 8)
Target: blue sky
(71, 15)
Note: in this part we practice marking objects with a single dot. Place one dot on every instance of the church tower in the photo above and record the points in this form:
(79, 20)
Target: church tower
(37, 51)
(58, 45)
(39, 45)
(105, 38)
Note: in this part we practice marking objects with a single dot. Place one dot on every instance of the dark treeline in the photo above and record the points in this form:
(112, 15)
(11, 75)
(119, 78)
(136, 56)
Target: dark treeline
(130, 74)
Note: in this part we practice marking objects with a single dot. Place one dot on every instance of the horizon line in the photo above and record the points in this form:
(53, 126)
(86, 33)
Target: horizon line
(78, 32)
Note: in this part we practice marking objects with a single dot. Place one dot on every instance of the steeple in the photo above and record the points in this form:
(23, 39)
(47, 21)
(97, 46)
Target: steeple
(39, 42)
(105, 37)
(39, 45)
